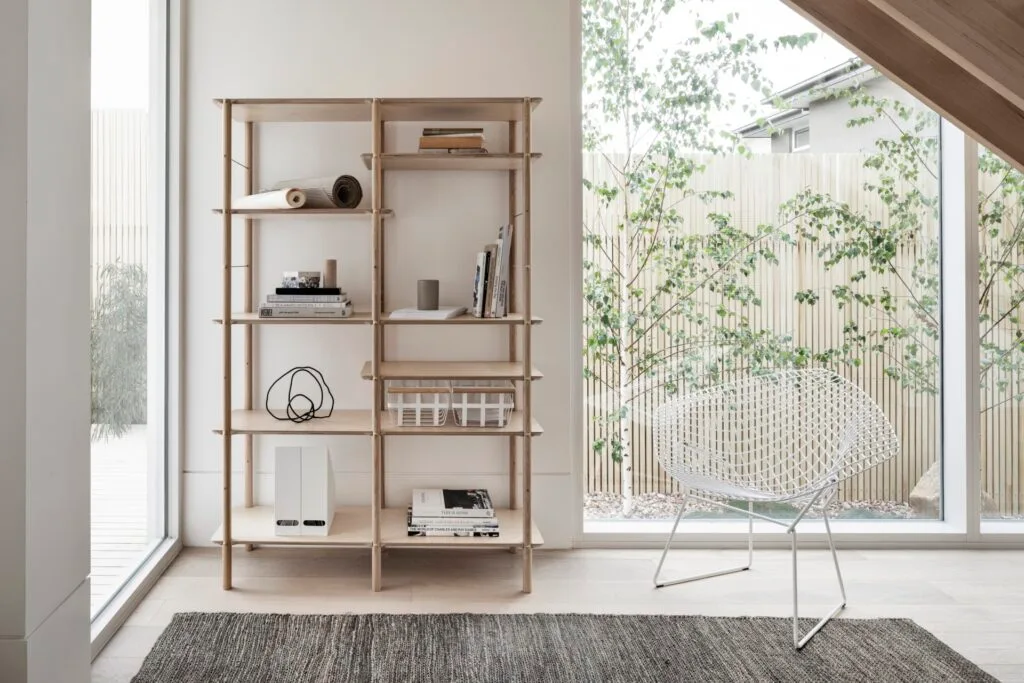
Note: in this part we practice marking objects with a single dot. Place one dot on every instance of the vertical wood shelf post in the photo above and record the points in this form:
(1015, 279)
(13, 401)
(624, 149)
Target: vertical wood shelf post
(527, 354)
(247, 391)
(378, 331)
(226, 548)
(513, 502)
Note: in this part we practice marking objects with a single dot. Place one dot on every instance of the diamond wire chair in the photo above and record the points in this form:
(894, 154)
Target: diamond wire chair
(788, 436)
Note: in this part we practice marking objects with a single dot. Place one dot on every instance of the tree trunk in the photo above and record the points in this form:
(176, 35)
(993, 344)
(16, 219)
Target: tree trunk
(625, 363)
(626, 440)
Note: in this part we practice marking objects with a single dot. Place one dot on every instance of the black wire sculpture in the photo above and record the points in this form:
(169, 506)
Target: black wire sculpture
(308, 409)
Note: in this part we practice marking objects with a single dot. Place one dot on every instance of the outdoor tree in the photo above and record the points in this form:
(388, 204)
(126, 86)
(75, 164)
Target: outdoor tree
(905, 327)
(659, 292)
(118, 350)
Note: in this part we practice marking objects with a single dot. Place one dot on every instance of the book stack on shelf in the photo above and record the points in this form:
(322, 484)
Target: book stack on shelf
(490, 281)
(301, 296)
(451, 513)
(452, 141)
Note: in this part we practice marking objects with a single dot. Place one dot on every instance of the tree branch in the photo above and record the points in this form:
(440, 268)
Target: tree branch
(913, 145)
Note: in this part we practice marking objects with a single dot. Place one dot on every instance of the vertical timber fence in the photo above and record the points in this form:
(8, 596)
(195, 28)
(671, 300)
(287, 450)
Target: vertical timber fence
(760, 185)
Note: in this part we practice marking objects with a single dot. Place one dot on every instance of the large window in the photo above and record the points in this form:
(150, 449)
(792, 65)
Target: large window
(1001, 336)
(128, 292)
(714, 251)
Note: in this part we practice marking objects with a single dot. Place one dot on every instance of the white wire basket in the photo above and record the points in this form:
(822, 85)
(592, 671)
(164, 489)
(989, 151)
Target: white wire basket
(483, 403)
(419, 402)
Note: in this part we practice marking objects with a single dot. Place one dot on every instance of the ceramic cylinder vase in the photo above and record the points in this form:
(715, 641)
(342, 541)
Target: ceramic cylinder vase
(427, 295)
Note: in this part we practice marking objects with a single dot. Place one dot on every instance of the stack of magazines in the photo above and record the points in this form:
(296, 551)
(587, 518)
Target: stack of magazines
(301, 296)
(452, 512)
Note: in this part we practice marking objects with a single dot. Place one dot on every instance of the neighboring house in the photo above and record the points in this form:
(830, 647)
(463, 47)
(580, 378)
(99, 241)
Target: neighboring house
(811, 121)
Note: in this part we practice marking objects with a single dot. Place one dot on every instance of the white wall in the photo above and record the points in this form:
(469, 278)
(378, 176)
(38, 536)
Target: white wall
(402, 48)
(44, 350)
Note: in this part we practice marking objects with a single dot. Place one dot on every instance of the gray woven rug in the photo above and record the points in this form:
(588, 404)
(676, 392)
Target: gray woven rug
(530, 648)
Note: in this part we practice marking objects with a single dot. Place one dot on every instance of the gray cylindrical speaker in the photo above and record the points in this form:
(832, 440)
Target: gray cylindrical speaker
(426, 295)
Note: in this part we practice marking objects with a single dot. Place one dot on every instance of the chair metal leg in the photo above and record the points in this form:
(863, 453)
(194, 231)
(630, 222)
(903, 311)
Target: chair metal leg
(799, 642)
(668, 543)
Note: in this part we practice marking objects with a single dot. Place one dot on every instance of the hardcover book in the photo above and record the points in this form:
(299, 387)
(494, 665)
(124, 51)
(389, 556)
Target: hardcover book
(452, 503)
(452, 526)
(309, 291)
(443, 313)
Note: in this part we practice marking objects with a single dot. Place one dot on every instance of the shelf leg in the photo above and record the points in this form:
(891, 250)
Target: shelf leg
(248, 478)
(527, 569)
(375, 568)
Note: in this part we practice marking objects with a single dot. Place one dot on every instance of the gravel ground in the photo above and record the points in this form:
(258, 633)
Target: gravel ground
(665, 506)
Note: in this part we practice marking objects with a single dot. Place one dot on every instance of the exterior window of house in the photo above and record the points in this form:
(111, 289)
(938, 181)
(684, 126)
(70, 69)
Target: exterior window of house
(1000, 235)
(128, 234)
(802, 139)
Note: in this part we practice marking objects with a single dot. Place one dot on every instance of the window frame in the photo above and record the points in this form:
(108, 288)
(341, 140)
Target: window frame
(794, 146)
(961, 524)
(164, 377)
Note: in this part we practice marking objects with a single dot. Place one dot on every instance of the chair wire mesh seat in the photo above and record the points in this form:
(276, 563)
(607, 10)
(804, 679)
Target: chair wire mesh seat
(788, 436)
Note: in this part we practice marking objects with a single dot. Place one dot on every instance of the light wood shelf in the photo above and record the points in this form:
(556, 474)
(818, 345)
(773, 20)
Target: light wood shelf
(292, 213)
(242, 420)
(360, 422)
(513, 428)
(357, 318)
(394, 532)
(340, 422)
(292, 110)
(416, 161)
(442, 369)
(465, 319)
(350, 528)
(464, 109)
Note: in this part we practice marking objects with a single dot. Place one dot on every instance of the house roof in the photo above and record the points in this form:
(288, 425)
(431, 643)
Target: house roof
(763, 128)
(796, 99)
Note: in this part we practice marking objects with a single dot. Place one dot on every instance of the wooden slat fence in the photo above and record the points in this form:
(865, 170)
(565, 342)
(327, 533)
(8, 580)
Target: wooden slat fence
(760, 185)
(119, 183)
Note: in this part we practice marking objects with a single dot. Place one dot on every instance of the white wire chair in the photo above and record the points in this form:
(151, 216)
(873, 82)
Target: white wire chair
(788, 436)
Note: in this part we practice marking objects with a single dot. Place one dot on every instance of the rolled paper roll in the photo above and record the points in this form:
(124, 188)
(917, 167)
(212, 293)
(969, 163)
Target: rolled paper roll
(285, 198)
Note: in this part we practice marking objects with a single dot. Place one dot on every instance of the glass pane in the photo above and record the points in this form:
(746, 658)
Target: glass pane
(1001, 293)
(713, 253)
(127, 445)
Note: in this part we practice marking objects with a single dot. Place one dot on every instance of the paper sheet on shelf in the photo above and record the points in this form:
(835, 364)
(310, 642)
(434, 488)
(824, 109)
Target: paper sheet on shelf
(284, 198)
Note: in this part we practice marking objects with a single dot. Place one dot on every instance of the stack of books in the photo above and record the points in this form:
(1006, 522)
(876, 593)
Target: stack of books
(301, 296)
(452, 141)
(490, 280)
(452, 512)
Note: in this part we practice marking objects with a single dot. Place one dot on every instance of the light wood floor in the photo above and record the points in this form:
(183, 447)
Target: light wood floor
(972, 600)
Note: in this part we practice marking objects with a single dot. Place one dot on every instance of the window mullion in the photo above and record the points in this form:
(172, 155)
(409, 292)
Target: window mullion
(960, 352)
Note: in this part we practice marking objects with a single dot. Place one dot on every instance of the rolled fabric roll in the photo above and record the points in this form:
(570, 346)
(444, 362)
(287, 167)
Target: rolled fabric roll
(343, 192)
(347, 192)
(282, 198)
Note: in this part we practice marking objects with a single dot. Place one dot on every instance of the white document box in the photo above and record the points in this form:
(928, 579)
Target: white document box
(303, 491)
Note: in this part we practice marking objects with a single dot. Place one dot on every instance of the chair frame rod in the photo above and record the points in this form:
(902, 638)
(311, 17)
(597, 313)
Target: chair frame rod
(798, 641)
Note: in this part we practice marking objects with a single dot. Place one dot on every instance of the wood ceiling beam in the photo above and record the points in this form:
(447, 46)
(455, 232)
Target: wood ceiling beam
(928, 73)
(986, 37)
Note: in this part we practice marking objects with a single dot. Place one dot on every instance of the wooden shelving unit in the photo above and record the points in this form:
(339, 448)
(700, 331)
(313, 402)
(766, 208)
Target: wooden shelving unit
(377, 526)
